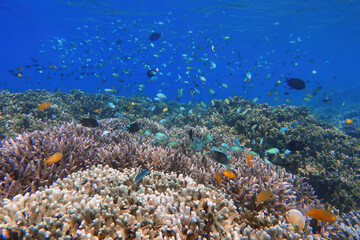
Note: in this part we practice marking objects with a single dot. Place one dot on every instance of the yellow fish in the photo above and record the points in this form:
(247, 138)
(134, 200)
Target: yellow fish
(262, 197)
(218, 178)
(44, 105)
(348, 121)
(54, 158)
(229, 174)
(321, 215)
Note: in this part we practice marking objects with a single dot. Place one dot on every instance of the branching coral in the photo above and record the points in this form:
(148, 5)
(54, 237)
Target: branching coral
(102, 202)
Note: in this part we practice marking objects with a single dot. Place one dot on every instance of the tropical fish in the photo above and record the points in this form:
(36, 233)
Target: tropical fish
(141, 175)
(89, 122)
(98, 110)
(235, 148)
(213, 65)
(147, 132)
(229, 174)
(44, 105)
(295, 217)
(237, 142)
(211, 91)
(248, 159)
(272, 151)
(133, 127)
(218, 178)
(322, 215)
(154, 36)
(238, 110)
(244, 112)
(208, 137)
(348, 121)
(159, 137)
(225, 145)
(164, 120)
(150, 73)
(111, 105)
(191, 135)
(295, 124)
(295, 145)
(54, 158)
(262, 197)
(295, 83)
(220, 157)
(224, 85)
(283, 129)
(161, 96)
(171, 144)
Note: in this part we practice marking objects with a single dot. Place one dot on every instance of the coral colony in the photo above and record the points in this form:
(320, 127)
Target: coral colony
(223, 172)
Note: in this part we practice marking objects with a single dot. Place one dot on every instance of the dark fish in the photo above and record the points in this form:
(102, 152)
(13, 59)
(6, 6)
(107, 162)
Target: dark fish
(295, 145)
(325, 98)
(316, 228)
(133, 127)
(220, 157)
(151, 73)
(191, 135)
(154, 36)
(295, 83)
(141, 175)
(89, 122)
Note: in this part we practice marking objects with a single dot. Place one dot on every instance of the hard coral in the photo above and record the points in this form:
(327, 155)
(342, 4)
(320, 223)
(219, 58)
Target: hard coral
(102, 202)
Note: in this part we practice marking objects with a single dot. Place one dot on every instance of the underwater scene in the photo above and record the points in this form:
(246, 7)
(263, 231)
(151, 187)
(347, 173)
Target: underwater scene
(217, 119)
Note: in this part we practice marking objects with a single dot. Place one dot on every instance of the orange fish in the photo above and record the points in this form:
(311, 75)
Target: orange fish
(218, 178)
(348, 121)
(321, 215)
(262, 197)
(229, 174)
(54, 158)
(248, 158)
(44, 105)
(99, 110)
(19, 75)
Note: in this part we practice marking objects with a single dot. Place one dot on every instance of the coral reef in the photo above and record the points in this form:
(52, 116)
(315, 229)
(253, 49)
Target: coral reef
(329, 161)
(19, 113)
(102, 202)
(23, 169)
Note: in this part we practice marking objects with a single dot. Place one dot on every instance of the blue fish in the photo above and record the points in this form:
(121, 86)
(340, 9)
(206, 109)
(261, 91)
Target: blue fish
(295, 124)
(141, 175)
(119, 114)
(210, 124)
(283, 129)
(237, 142)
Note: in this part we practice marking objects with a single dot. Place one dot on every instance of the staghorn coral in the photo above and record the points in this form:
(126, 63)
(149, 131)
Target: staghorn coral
(349, 226)
(102, 202)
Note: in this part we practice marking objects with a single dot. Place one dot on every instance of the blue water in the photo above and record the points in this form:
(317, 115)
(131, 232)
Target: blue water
(80, 44)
